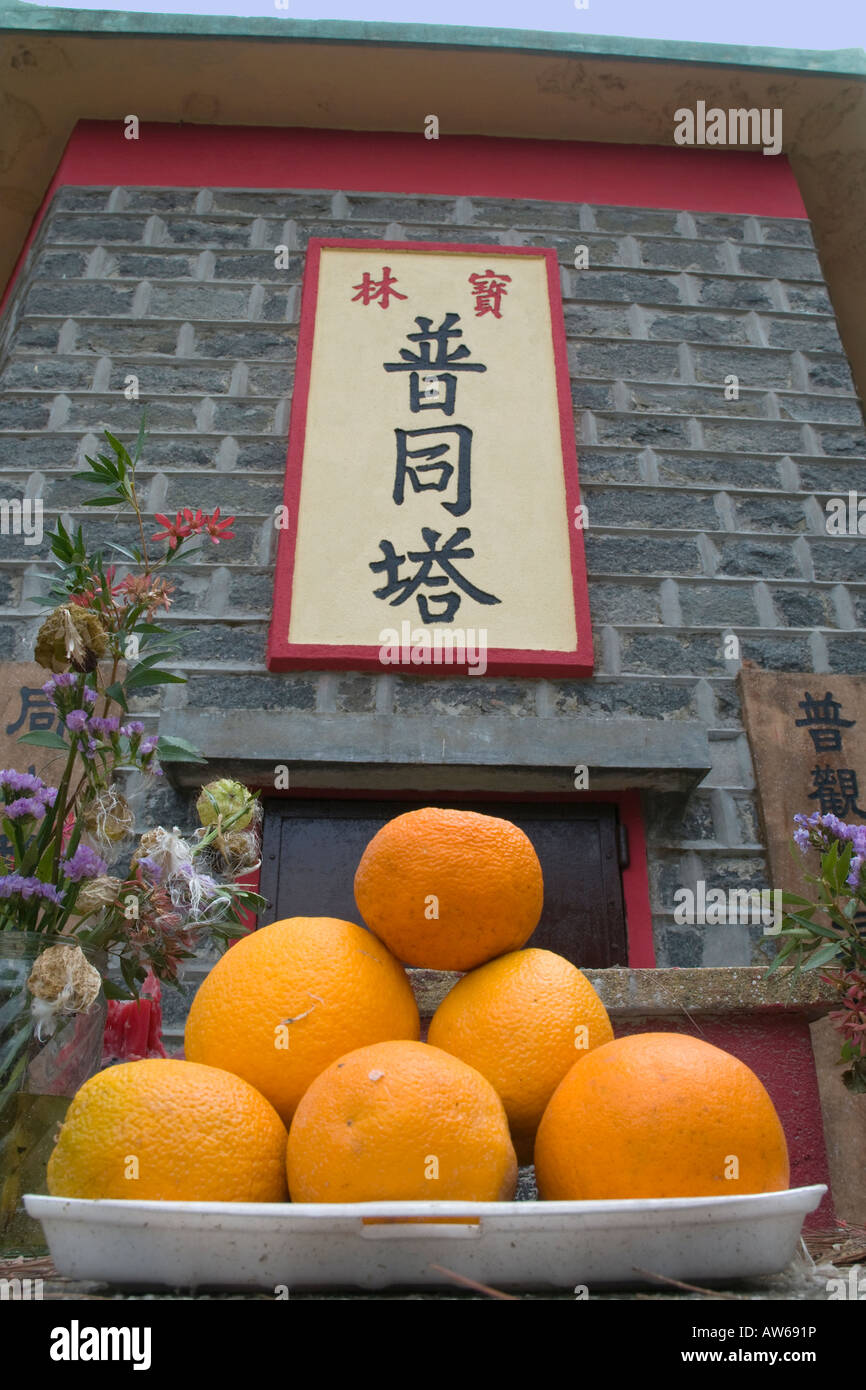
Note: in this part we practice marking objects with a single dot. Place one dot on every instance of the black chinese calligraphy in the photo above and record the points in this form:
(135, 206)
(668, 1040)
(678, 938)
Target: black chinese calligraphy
(824, 715)
(441, 557)
(836, 791)
(37, 710)
(437, 473)
(427, 338)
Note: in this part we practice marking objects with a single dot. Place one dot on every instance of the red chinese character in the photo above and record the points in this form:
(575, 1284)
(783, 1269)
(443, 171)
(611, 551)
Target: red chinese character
(489, 289)
(370, 289)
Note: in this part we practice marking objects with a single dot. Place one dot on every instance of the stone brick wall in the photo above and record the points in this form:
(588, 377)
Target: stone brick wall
(706, 514)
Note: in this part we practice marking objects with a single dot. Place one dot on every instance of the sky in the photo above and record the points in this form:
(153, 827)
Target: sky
(815, 24)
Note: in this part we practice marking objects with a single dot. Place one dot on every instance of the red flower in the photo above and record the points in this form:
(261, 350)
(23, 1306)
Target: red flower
(216, 528)
(175, 532)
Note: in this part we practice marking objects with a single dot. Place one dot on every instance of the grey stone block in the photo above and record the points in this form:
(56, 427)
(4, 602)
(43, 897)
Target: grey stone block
(37, 452)
(819, 335)
(721, 226)
(698, 401)
(230, 492)
(593, 395)
(234, 643)
(639, 555)
(793, 231)
(183, 377)
(752, 436)
(47, 374)
(833, 409)
(780, 262)
(681, 946)
(107, 228)
(522, 212)
(250, 591)
(79, 298)
(150, 265)
(379, 207)
(234, 341)
(624, 603)
(769, 559)
(638, 221)
(681, 254)
(585, 320)
(688, 326)
(779, 652)
(641, 430)
(136, 339)
(651, 509)
(255, 267)
(848, 653)
(262, 455)
(356, 694)
(160, 200)
(205, 232)
(835, 476)
(286, 203)
(116, 412)
(24, 412)
(35, 335)
(670, 818)
(254, 692)
(724, 471)
(626, 286)
(670, 654)
(414, 695)
(804, 607)
(632, 699)
(734, 293)
(808, 299)
(62, 265)
(828, 372)
(198, 302)
(620, 361)
(243, 417)
(275, 307)
(717, 605)
(841, 559)
(73, 198)
(842, 442)
(753, 366)
(769, 514)
(608, 466)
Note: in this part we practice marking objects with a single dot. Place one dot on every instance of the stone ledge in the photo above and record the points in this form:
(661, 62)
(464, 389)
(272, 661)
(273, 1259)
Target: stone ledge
(442, 752)
(664, 992)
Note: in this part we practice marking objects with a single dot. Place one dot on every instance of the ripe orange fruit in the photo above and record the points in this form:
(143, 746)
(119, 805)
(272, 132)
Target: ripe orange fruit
(400, 1121)
(522, 1020)
(161, 1130)
(659, 1115)
(449, 889)
(289, 999)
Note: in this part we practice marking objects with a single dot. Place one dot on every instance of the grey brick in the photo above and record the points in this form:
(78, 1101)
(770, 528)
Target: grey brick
(431, 231)
(794, 231)
(808, 299)
(832, 373)
(36, 335)
(228, 491)
(638, 221)
(748, 823)
(681, 254)
(108, 227)
(268, 381)
(782, 263)
(858, 601)
(24, 412)
(115, 412)
(136, 338)
(717, 605)
(262, 455)
(601, 250)
(804, 607)
(205, 232)
(841, 560)
(366, 231)
(626, 286)
(769, 514)
(670, 817)
(729, 712)
(150, 265)
(752, 436)
(697, 400)
(723, 471)
(691, 327)
(257, 266)
(637, 699)
(753, 366)
(376, 207)
(722, 226)
(624, 555)
(275, 307)
(830, 475)
(272, 344)
(9, 648)
(760, 559)
(782, 652)
(254, 692)
(250, 591)
(356, 694)
(842, 442)
(680, 947)
(671, 654)
(646, 361)
(820, 335)
(651, 509)
(197, 302)
(593, 395)
(62, 265)
(415, 695)
(848, 654)
(33, 451)
(641, 430)
(624, 603)
(180, 377)
(736, 872)
(820, 409)
(162, 451)
(79, 298)
(289, 202)
(236, 643)
(161, 200)
(588, 319)
(48, 374)
(72, 198)
(522, 212)
(734, 294)
(599, 466)
(244, 417)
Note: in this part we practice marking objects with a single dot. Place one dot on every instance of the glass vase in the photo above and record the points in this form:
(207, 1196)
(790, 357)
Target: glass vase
(38, 1078)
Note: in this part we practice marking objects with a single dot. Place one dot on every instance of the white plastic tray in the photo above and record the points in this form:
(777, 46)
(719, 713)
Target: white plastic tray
(525, 1245)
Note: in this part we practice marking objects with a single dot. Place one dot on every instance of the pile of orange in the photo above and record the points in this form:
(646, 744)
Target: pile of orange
(305, 1075)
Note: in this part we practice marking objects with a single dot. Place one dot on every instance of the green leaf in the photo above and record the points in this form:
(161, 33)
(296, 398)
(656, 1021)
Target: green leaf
(114, 990)
(177, 750)
(124, 550)
(795, 898)
(102, 502)
(45, 738)
(140, 680)
(812, 926)
(822, 956)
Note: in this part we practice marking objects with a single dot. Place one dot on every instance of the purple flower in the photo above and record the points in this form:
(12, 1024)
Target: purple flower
(134, 726)
(29, 888)
(64, 680)
(20, 781)
(90, 695)
(25, 806)
(150, 867)
(49, 687)
(103, 726)
(76, 720)
(853, 879)
(148, 745)
(84, 863)
(48, 795)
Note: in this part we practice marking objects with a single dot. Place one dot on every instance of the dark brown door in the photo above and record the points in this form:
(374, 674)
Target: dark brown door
(311, 849)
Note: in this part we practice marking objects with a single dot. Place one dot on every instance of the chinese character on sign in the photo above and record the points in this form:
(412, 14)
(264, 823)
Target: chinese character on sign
(381, 291)
(489, 290)
(836, 791)
(827, 736)
(425, 560)
(35, 706)
(426, 339)
(437, 465)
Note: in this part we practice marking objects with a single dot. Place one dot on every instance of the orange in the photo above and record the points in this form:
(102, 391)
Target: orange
(522, 1021)
(400, 1121)
(659, 1115)
(449, 889)
(291, 998)
(161, 1130)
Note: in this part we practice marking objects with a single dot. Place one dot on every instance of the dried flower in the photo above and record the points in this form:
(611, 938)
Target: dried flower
(84, 863)
(224, 798)
(70, 638)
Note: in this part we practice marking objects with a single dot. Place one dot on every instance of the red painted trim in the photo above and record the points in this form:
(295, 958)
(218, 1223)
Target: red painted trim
(283, 655)
(635, 879)
(562, 171)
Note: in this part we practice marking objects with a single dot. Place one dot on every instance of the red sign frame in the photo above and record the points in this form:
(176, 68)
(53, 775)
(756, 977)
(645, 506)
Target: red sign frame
(283, 655)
